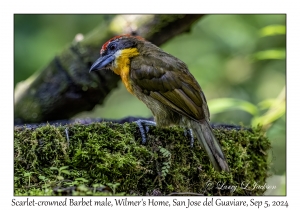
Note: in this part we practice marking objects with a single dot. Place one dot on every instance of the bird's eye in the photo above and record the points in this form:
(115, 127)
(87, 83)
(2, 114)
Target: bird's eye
(112, 47)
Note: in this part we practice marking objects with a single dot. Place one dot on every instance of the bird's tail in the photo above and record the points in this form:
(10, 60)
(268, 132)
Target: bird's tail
(208, 141)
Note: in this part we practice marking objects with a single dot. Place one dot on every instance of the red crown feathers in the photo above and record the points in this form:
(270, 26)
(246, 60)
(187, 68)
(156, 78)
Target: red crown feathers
(119, 37)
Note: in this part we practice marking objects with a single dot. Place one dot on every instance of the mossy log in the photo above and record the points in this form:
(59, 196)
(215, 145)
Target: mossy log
(108, 159)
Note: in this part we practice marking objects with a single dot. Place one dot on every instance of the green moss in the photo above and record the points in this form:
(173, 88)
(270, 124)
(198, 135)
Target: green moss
(111, 155)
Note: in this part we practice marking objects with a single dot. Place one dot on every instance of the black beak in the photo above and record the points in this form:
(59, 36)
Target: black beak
(101, 62)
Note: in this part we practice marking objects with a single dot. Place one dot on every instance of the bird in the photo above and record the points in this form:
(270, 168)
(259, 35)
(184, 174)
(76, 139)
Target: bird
(164, 83)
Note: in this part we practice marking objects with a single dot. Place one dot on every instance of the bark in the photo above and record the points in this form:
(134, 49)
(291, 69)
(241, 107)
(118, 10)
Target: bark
(64, 87)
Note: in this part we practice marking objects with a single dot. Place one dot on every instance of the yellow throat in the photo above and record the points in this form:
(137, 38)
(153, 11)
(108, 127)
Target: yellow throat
(122, 65)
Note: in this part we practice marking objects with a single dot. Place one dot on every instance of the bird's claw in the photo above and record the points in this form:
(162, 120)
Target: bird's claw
(67, 135)
(188, 132)
(144, 128)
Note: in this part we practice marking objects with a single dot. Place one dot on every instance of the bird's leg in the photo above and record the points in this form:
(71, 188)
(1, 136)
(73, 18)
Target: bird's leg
(188, 132)
(144, 128)
(67, 135)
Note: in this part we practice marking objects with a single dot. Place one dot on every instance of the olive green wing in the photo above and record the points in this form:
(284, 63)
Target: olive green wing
(168, 80)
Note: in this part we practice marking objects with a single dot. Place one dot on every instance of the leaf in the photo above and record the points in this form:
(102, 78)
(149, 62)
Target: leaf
(82, 179)
(276, 110)
(226, 104)
(27, 174)
(53, 168)
(98, 185)
(266, 104)
(272, 115)
(273, 30)
(65, 172)
(82, 188)
(275, 54)
(63, 167)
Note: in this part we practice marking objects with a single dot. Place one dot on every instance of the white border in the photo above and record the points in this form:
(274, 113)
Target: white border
(8, 8)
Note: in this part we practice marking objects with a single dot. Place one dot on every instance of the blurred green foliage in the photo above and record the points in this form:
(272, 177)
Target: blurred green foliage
(239, 61)
(38, 38)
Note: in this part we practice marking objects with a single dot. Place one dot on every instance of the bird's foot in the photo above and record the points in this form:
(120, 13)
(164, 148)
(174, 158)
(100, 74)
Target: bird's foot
(67, 136)
(188, 132)
(144, 128)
